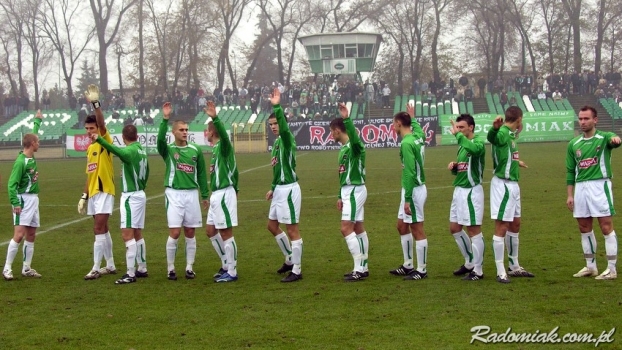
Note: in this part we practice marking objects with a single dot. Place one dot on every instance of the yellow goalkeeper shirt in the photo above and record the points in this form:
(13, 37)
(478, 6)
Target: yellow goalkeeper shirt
(99, 171)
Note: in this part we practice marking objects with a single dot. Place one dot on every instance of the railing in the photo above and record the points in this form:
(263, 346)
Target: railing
(249, 138)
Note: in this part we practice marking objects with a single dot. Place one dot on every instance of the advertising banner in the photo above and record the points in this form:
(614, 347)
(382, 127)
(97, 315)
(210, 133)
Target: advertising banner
(315, 135)
(78, 141)
(537, 126)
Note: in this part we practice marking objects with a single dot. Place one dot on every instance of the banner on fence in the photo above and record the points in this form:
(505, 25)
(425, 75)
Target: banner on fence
(78, 141)
(315, 135)
(537, 126)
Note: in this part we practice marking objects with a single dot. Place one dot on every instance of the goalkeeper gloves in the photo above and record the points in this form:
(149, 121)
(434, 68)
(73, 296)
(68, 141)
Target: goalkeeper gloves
(82, 204)
(92, 94)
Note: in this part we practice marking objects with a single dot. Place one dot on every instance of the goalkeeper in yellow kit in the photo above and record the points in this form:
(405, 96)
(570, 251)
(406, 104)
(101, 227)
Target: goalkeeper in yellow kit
(98, 196)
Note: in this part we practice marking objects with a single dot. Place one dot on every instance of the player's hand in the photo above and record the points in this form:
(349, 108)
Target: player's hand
(407, 209)
(94, 137)
(339, 204)
(343, 110)
(205, 204)
(410, 109)
(82, 204)
(166, 110)
(454, 129)
(275, 99)
(522, 164)
(451, 165)
(39, 115)
(498, 122)
(17, 210)
(615, 140)
(570, 203)
(92, 93)
(210, 109)
(269, 195)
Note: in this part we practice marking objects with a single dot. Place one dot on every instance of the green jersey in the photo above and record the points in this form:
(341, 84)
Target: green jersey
(283, 153)
(351, 158)
(470, 163)
(589, 159)
(24, 175)
(504, 153)
(223, 167)
(185, 165)
(135, 168)
(412, 155)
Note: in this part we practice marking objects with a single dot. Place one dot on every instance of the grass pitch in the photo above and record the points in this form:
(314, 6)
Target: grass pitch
(61, 310)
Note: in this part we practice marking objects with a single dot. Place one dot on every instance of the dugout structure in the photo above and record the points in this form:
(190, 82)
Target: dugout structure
(342, 53)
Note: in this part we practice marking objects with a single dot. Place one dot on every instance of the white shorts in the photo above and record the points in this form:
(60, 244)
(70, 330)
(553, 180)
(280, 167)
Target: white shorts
(30, 210)
(504, 199)
(183, 208)
(132, 208)
(285, 205)
(223, 208)
(419, 196)
(593, 199)
(467, 206)
(100, 203)
(353, 198)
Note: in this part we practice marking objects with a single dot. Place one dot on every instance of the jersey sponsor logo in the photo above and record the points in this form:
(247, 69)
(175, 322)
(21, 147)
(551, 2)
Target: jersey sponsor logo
(274, 161)
(578, 153)
(586, 163)
(462, 167)
(342, 168)
(186, 168)
(81, 142)
(91, 167)
(514, 155)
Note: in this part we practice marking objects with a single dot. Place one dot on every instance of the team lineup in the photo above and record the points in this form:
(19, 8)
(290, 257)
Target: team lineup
(187, 193)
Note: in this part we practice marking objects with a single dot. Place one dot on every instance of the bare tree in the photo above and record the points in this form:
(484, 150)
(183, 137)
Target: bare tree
(346, 15)
(14, 20)
(59, 24)
(553, 18)
(231, 13)
(40, 51)
(438, 6)
(162, 22)
(607, 12)
(105, 14)
(573, 11)
(522, 15)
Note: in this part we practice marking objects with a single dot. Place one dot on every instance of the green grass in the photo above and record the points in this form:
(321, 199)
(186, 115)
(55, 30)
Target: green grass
(61, 310)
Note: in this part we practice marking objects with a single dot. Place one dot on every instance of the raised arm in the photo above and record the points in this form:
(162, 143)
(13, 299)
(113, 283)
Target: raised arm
(284, 131)
(37, 122)
(494, 137)
(92, 94)
(161, 140)
(355, 140)
(613, 140)
(416, 128)
(225, 142)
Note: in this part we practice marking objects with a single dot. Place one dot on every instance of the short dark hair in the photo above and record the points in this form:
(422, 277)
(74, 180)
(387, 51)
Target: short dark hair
(130, 132)
(90, 119)
(337, 123)
(467, 118)
(271, 116)
(591, 109)
(512, 114)
(403, 117)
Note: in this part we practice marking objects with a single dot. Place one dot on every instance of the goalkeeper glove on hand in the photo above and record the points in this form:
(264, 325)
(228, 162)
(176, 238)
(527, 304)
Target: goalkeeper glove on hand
(82, 204)
(92, 94)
